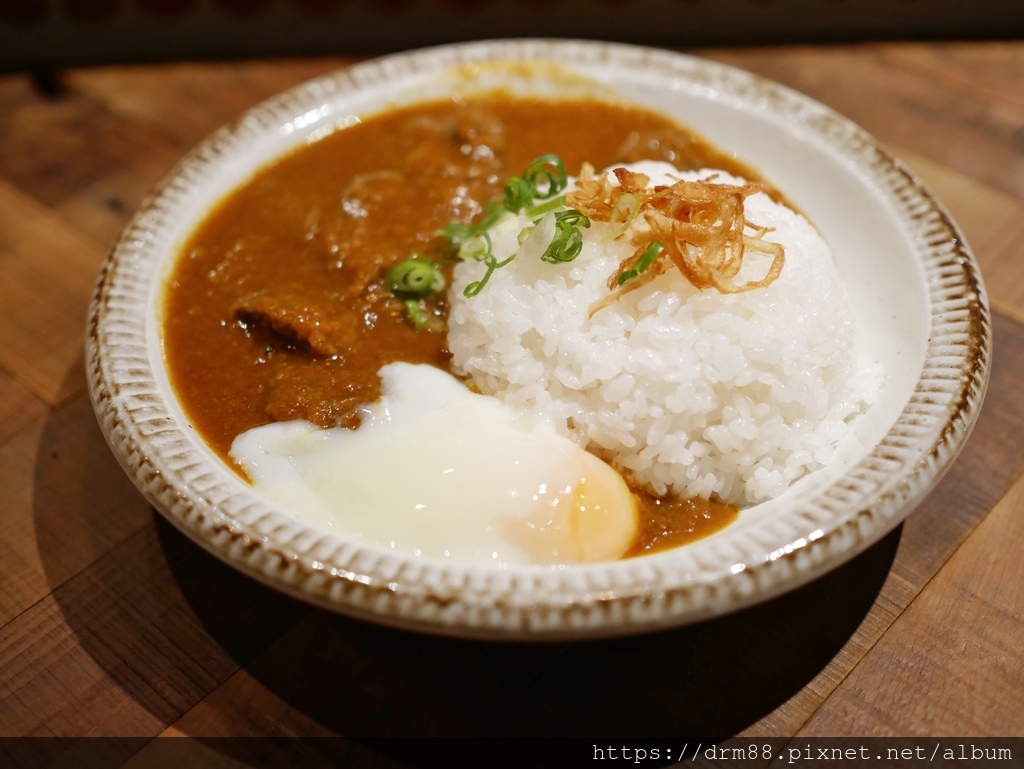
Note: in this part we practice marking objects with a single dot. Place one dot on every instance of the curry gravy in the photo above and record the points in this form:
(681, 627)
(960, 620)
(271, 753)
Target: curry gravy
(277, 308)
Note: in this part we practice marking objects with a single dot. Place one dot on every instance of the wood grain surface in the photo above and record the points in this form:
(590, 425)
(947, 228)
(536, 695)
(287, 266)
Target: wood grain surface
(113, 625)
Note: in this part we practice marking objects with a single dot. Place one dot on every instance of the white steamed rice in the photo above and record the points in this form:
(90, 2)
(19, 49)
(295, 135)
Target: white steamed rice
(689, 392)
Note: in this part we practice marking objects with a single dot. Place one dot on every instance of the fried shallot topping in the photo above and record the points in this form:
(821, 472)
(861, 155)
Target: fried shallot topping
(699, 227)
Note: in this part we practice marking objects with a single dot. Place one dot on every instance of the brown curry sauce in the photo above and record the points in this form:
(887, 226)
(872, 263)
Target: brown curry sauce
(277, 307)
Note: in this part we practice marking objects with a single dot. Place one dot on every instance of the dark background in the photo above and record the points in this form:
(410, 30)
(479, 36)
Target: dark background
(46, 33)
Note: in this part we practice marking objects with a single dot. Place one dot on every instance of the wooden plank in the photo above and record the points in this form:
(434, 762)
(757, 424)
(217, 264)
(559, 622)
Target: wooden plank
(334, 676)
(959, 642)
(991, 68)
(186, 101)
(18, 408)
(993, 223)
(102, 209)
(991, 462)
(56, 145)
(44, 299)
(948, 121)
(66, 503)
(251, 703)
(53, 686)
(132, 642)
(77, 158)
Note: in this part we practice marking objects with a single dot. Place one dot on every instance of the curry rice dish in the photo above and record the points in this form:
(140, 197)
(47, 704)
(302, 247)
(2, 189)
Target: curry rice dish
(708, 388)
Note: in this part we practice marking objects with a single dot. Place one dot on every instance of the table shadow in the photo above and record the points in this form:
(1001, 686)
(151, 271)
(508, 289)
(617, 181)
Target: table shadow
(394, 693)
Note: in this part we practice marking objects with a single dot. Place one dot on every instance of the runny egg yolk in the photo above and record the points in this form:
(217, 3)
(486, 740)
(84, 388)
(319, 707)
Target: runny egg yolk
(439, 471)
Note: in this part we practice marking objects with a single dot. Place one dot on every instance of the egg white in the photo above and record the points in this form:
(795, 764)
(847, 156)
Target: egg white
(438, 471)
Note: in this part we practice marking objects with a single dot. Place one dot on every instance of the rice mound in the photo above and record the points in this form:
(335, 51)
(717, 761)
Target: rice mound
(694, 393)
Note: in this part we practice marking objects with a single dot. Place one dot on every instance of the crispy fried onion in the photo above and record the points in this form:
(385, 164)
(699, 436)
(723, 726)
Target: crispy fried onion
(701, 226)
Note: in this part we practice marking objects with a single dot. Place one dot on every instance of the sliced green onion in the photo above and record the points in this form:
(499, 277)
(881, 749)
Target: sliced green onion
(546, 176)
(414, 310)
(537, 239)
(492, 264)
(536, 212)
(476, 247)
(646, 260)
(572, 218)
(568, 240)
(420, 319)
(456, 232)
(505, 224)
(625, 210)
(416, 278)
(518, 194)
(412, 281)
(544, 179)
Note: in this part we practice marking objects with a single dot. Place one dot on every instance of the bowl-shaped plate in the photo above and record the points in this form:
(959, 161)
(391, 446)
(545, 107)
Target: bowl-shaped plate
(914, 283)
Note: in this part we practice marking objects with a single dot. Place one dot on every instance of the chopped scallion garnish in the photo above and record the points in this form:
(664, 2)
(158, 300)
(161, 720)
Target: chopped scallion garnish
(492, 264)
(624, 211)
(568, 240)
(415, 278)
(414, 309)
(476, 246)
(518, 194)
(646, 260)
(546, 176)
(536, 212)
(412, 281)
(543, 180)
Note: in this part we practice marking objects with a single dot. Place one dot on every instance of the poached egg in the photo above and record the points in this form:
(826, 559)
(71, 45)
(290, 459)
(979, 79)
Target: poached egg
(438, 471)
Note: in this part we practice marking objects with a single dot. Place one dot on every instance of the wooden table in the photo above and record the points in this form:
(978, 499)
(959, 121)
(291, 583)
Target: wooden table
(112, 624)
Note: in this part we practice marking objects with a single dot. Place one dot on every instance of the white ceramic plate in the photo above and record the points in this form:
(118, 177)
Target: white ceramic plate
(912, 278)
